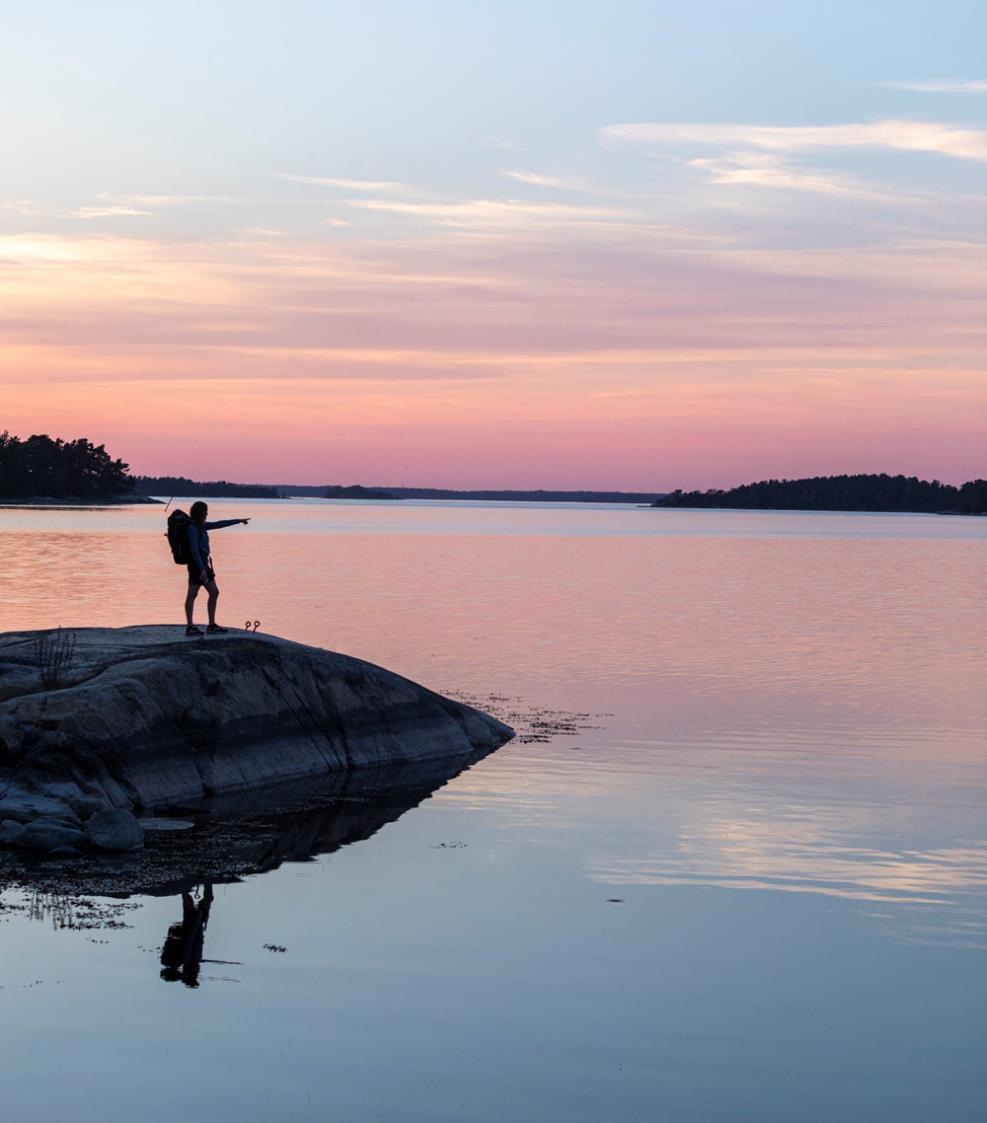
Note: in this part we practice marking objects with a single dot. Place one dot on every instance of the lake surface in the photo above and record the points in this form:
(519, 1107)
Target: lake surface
(750, 885)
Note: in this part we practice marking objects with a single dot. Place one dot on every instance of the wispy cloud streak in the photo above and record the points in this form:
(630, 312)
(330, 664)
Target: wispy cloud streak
(956, 141)
(492, 212)
(343, 184)
(108, 211)
(941, 86)
(763, 170)
(537, 179)
(169, 200)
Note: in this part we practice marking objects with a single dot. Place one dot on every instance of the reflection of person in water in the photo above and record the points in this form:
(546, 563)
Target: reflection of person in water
(181, 955)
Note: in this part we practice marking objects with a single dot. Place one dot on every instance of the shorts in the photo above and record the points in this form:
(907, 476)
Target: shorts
(194, 573)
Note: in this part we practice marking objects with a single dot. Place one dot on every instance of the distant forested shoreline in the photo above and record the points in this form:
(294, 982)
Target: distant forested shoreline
(45, 469)
(541, 495)
(218, 489)
(842, 493)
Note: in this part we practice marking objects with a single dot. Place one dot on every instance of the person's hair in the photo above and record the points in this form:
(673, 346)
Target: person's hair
(198, 511)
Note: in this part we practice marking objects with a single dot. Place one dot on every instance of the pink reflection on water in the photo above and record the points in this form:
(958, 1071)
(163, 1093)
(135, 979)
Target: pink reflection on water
(702, 639)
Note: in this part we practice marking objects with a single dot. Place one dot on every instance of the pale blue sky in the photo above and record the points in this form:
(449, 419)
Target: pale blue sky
(196, 98)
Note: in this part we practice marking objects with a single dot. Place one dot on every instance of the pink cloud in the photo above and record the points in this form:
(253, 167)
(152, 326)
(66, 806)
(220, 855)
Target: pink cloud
(535, 358)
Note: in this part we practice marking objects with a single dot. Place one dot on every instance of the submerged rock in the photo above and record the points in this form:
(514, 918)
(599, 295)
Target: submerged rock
(157, 823)
(10, 831)
(114, 829)
(25, 807)
(42, 834)
(143, 718)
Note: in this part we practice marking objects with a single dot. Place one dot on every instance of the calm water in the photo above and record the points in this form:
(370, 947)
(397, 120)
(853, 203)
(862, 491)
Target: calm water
(755, 889)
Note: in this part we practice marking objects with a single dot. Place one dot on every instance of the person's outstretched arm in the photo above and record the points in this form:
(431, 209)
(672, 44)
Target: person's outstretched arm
(225, 522)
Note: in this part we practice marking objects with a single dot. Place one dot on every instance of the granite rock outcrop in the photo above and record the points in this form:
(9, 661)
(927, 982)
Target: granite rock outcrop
(95, 720)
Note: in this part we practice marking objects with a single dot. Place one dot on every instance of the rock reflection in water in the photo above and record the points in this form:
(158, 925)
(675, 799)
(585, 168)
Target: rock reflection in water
(255, 831)
(234, 836)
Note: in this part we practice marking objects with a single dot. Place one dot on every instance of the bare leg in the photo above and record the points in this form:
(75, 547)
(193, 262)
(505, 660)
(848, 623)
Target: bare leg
(213, 590)
(193, 592)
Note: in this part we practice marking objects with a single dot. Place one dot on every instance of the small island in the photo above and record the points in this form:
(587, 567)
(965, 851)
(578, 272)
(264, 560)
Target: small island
(879, 493)
(48, 470)
(356, 491)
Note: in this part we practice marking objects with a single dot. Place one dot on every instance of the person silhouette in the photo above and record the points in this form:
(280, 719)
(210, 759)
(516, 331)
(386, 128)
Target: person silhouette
(181, 954)
(200, 570)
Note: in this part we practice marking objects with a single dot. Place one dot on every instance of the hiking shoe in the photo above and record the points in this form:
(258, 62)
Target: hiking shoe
(192, 630)
(214, 628)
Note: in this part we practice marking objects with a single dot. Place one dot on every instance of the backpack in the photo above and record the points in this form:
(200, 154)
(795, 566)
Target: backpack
(177, 535)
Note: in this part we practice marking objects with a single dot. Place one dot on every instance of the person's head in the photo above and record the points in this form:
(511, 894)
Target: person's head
(198, 511)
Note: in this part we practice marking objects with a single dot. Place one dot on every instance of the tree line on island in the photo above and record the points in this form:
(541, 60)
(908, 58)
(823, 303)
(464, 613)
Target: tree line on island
(842, 493)
(213, 489)
(43, 467)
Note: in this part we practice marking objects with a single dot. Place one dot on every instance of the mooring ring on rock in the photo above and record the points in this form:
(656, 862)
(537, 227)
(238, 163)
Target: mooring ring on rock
(251, 627)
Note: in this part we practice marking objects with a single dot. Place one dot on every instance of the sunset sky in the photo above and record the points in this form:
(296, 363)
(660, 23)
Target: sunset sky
(512, 244)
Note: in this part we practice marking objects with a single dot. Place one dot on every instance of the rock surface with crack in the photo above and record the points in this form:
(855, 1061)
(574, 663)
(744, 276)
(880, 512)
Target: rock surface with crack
(142, 718)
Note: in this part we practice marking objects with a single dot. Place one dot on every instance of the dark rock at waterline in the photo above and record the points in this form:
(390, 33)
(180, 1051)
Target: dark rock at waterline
(42, 834)
(141, 718)
(9, 832)
(114, 829)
